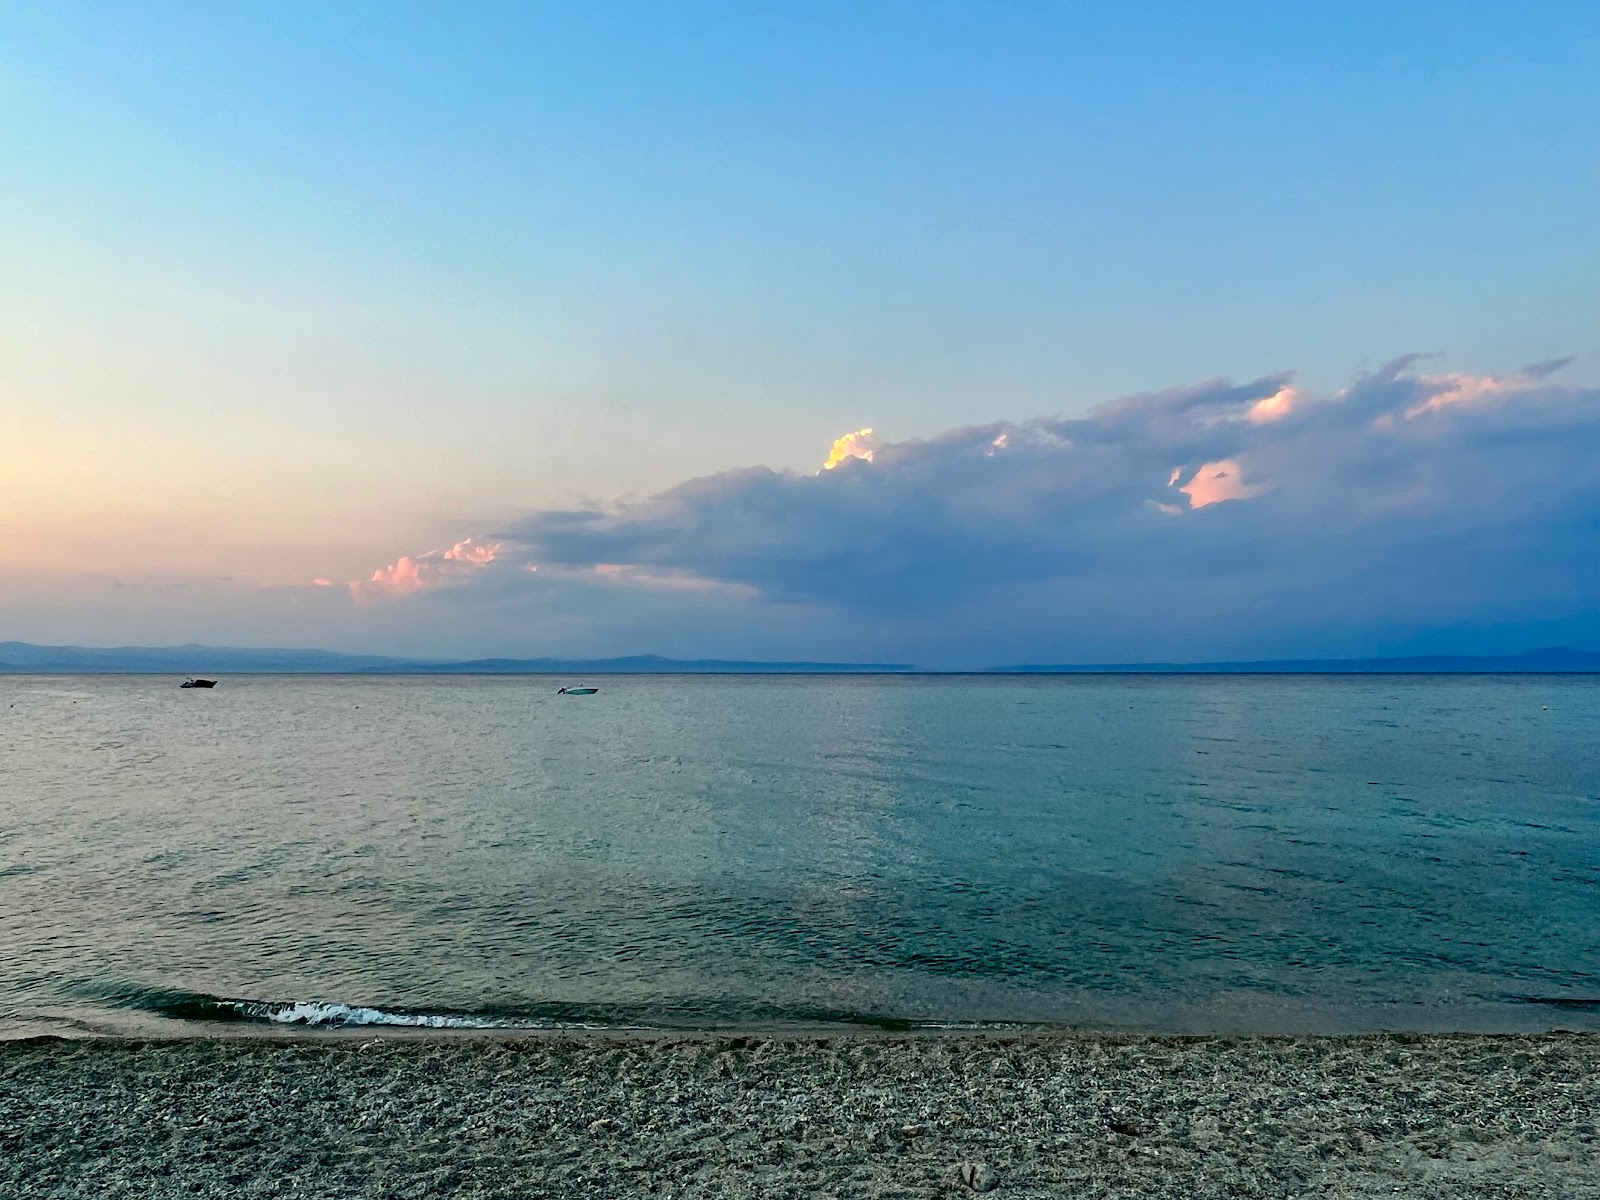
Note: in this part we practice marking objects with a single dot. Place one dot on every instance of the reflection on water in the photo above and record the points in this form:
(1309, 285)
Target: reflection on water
(1178, 853)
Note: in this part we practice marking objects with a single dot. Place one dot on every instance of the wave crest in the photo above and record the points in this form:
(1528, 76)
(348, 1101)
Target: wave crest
(330, 1014)
(320, 1014)
(323, 1013)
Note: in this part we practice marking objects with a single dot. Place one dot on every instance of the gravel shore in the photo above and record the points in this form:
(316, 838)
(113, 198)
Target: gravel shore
(596, 1116)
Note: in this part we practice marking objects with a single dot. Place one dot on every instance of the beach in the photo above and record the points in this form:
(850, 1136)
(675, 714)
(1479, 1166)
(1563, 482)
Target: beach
(600, 1115)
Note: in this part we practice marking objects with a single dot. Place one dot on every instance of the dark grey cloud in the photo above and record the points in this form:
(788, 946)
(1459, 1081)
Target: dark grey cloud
(928, 521)
(1212, 519)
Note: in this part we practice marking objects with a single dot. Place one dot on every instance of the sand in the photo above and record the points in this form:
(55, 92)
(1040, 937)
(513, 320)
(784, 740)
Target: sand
(594, 1116)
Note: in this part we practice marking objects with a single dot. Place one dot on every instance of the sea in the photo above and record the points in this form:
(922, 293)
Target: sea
(1179, 854)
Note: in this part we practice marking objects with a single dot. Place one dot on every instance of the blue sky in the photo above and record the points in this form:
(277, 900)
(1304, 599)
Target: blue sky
(394, 276)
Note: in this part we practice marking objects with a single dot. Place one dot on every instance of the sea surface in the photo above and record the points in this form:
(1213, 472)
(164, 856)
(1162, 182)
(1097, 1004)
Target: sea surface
(1262, 854)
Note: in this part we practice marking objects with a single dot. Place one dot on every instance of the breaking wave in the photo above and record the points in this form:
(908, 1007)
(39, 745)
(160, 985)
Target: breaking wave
(324, 1014)
(327, 1014)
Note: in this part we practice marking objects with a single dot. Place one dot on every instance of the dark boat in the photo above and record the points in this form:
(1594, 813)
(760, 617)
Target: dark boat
(188, 683)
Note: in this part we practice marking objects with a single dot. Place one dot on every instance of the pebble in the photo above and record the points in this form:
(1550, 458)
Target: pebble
(980, 1177)
(204, 1119)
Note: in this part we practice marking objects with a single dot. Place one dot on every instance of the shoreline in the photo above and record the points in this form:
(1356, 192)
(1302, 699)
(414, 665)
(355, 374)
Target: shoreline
(176, 1031)
(175, 1014)
(166, 1035)
(419, 1113)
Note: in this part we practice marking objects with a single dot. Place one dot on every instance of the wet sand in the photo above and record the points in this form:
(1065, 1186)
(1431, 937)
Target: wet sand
(598, 1116)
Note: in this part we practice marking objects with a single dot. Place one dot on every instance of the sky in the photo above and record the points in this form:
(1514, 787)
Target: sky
(1134, 331)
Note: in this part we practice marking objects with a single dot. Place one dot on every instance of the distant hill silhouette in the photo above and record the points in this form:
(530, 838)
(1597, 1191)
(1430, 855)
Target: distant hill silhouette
(24, 657)
(1552, 660)
(189, 659)
(637, 664)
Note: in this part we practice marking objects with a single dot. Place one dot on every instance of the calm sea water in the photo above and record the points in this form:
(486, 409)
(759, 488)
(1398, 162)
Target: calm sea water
(1271, 854)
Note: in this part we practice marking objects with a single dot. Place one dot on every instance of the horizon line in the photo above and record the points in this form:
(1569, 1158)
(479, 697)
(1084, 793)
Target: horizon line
(59, 659)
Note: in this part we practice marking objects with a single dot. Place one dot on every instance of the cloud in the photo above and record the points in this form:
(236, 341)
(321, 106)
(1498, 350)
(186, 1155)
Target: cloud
(1477, 389)
(434, 569)
(476, 553)
(669, 580)
(852, 445)
(922, 522)
(1216, 482)
(1275, 407)
(1199, 517)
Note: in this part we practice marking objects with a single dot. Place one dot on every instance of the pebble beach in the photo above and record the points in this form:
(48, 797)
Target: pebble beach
(603, 1115)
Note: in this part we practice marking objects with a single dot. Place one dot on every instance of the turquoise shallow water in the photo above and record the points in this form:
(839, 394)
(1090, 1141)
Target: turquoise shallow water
(1173, 853)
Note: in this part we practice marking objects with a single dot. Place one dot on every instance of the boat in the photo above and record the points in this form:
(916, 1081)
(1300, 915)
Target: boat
(578, 691)
(200, 683)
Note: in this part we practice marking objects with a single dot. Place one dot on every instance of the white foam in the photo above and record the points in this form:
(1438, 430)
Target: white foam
(316, 1012)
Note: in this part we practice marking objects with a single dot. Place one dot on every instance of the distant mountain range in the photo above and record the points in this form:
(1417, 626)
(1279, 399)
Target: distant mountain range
(19, 657)
(637, 664)
(1550, 660)
(22, 657)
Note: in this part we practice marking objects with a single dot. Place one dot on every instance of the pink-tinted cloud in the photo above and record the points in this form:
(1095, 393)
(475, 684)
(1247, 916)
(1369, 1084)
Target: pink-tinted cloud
(1461, 388)
(1467, 389)
(1274, 408)
(1218, 482)
(403, 575)
(409, 574)
(471, 551)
